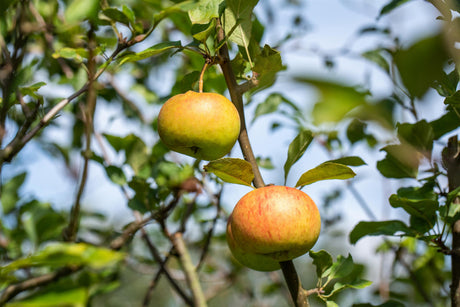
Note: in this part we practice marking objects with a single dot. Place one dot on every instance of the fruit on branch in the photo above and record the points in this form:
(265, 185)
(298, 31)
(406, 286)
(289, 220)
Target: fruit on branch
(272, 224)
(201, 125)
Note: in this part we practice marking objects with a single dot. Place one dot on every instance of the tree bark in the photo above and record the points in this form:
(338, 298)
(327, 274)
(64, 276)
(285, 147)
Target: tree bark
(451, 158)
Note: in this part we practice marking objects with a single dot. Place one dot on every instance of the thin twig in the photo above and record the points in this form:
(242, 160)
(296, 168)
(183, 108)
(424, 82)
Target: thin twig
(32, 283)
(189, 269)
(70, 233)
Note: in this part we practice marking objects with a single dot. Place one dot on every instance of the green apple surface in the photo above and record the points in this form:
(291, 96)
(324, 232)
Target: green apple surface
(272, 224)
(201, 125)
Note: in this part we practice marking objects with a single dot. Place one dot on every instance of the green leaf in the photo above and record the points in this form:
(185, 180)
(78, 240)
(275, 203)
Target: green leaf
(265, 163)
(172, 175)
(391, 6)
(31, 90)
(341, 268)
(266, 64)
(389, 303)
(149, 52)
(204, 11)
(330, 303)
(322, 260)
(181, 7)
(79, 10)
(376, 57)
(134, 148)
(270, 105)
(420, 135)
(201, 32)
(351, 161)
(388, 228)
(231, 170)
(76, 54)
(9, 194)
(401, 161)
(64, 254)
(446, 123)
(77, 297)
(422, 212)
(296, 149)
(116, 175)
(116, 15)
(237, 17)
(453, 100)
(325, 171)
(356, 131)
(128, 12)
(447, 84)
(356, 284)
(419, 78)
(336, 100)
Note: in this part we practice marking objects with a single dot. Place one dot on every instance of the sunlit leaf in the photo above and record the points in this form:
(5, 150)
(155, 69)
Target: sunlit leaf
(238, 13)
(357, 284)
(267, 64)
(204, 11)
(325, 171)
(389, 228)
(149, 52)
(296, 149)
(79, 10)
(335, 102)
(64, 254)
(77, 297)
(231, 170)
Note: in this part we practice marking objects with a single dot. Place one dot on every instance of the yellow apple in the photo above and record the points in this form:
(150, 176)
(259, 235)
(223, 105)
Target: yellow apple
(272, 224)
(201, 125)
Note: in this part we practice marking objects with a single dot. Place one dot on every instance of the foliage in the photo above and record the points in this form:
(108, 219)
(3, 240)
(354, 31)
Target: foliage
(65, 64)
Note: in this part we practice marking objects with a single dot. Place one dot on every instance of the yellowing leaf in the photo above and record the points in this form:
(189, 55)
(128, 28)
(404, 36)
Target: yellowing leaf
(231, 170)
(325, 171)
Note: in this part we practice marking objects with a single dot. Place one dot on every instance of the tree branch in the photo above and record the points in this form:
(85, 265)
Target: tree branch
(298, 294)
(189, 269)
(451, 158)
(13, 290)
(237, 99)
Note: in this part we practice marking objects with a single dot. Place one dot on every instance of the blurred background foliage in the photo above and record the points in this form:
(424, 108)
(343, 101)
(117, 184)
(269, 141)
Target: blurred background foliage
(82, 82)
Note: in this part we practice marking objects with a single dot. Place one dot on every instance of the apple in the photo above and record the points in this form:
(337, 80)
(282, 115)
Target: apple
(272, 224)
(201, 125)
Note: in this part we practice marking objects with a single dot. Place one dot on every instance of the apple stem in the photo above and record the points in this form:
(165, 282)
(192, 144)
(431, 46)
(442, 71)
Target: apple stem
(200, 81)
(298, 294)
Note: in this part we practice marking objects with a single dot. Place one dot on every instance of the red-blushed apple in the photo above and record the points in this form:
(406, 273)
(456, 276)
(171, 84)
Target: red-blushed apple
(256, 262)
(201, 125)
(272, 224)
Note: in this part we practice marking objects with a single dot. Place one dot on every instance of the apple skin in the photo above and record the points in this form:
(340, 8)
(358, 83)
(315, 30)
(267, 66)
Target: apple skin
(272, 224)
(201, 125)
(256, 262)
